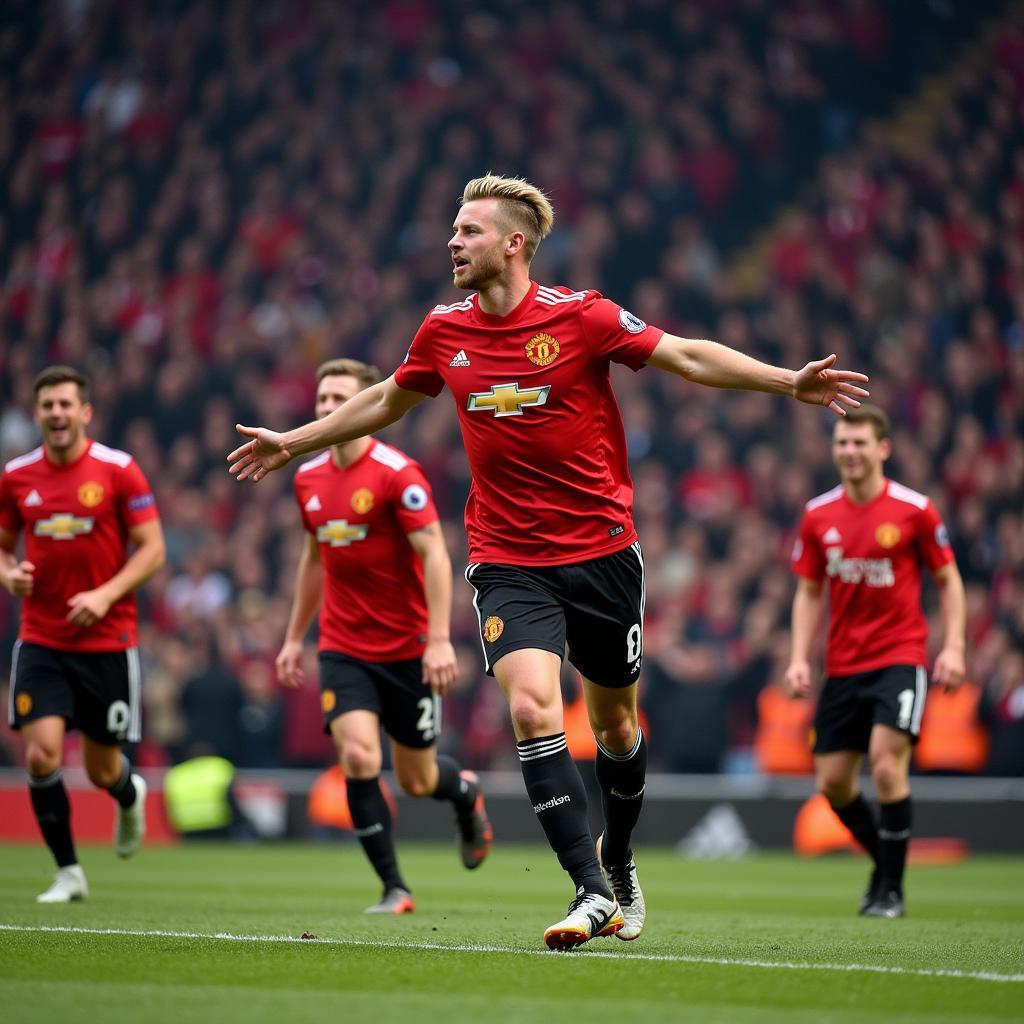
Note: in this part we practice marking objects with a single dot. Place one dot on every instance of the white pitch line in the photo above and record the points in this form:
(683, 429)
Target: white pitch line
(917, 972)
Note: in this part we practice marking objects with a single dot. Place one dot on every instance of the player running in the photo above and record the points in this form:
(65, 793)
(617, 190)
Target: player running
(554, 559)
(376, 565)
(870, 538)
(75, 663)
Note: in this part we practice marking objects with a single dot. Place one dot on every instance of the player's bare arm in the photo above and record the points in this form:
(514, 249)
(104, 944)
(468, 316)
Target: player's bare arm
(16, 576)
(309, 588)
(370, 410)
(439, 665)
(808, 607)
(718, 366)
(950, 667)
(90, 606)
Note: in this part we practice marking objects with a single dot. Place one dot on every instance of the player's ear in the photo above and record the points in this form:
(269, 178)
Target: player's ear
(515, 243)
(886, 446)
(87, 414)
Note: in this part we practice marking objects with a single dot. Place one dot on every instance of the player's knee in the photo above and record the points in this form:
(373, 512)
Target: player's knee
(531, 718)
(41, 760)
(103, 776)
(359, 762)
(415, 783)
(838, 791)
(617, 734)
(888, 775)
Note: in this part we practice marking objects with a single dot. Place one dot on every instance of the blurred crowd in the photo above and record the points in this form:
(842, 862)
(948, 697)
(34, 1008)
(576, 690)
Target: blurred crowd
(204, 200)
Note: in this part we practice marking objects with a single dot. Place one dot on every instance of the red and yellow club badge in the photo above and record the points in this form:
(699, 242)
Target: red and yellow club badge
(493, 628)
(888, 535)
(328, 699)
(542, 349)
(23, 703)
(90, 494)
(362, 500)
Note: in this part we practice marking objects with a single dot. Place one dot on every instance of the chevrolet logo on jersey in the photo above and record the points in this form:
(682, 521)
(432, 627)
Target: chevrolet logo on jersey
(507, 399)
(339, 534)
(63, 526)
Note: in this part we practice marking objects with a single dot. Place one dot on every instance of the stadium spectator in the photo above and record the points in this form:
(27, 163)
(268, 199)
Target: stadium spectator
(82, 507)
(867, 542)
(554, 558)
(375, 566)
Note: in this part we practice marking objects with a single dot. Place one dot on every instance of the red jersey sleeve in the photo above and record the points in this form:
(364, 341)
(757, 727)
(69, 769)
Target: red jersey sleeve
(615, 333)
(413, 499)
(136, 502)
(10, 516)
(807, 558)
(418, 372)
(932, 541)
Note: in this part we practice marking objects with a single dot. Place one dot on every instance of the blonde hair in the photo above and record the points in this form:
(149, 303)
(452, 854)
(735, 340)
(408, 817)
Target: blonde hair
(365, 374)
(523, 205)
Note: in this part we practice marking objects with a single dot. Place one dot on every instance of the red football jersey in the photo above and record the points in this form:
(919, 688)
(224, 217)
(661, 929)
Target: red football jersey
(539, 420)
(373, 604)
(872, 556)
(76, 520)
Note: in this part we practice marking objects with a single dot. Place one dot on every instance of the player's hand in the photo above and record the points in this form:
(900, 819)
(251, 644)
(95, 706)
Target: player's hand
(87, 608)
(950, 669)
(289, 664)
(260, 456)
(20, 579)
(818, 384)
(439, 666)
(798, 679)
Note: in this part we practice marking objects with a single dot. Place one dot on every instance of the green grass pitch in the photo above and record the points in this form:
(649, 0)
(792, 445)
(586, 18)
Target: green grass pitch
(213, 933)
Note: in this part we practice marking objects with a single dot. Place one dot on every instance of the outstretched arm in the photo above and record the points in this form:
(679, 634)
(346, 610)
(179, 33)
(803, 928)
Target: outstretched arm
(370, 410)
(718, 366)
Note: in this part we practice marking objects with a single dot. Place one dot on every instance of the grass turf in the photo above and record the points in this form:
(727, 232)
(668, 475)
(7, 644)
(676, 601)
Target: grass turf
(766, 940)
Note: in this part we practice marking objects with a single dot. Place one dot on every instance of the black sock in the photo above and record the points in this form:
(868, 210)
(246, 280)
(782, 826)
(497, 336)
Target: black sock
(372, 821)
(461, 793)
(621, 778)
(123, 791)
(53, 812)
(894, 834)
(858, 818)
(559, 800)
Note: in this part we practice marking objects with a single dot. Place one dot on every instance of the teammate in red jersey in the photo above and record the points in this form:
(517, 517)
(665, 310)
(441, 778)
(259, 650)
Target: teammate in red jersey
(80, 506)
(377, 566)
(554, 557)
(870, 538)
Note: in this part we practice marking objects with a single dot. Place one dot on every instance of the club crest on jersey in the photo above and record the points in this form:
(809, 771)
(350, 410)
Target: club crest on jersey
(493, 628)
(23, 703)
(90, 494)
(339, 534)
(362, 500)
(62, 526)
(888, 535)
(542, 349)
(507, 399)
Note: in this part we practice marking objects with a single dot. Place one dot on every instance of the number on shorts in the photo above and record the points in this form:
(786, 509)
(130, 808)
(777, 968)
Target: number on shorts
(118, 717)
(906, 702)
(634, 642)
(426, 724)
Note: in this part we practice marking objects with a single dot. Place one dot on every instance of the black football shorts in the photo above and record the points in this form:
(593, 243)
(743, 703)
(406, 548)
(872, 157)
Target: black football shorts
(394, 691)
(849, 706)
(593, 608)
(97, 692)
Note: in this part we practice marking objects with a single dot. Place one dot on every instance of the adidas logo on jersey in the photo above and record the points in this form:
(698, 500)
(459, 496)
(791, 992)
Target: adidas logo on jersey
(832, 536)
(313, 505)
(461, 359)
(33, 499)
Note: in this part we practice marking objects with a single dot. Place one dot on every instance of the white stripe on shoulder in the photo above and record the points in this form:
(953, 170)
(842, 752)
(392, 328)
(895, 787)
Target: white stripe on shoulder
(825, 499)
(455, 307)
(389, 457)
(24, 460)
(313, 463)
(112, 455)
(549, 297)
(911, 497)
